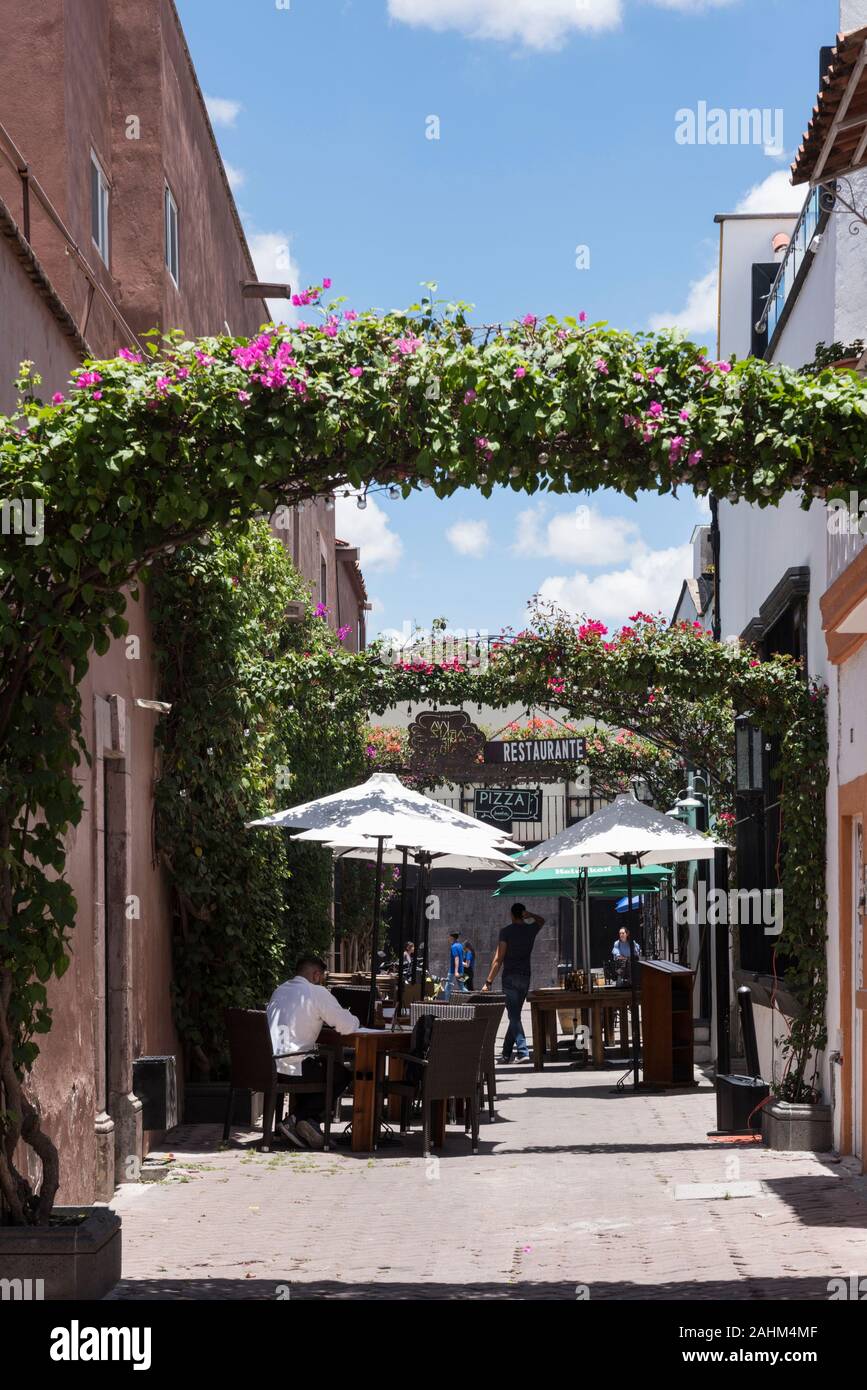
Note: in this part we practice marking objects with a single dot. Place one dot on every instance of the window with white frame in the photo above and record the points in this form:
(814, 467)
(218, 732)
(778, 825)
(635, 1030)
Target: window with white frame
(173, 255)
(99, 207)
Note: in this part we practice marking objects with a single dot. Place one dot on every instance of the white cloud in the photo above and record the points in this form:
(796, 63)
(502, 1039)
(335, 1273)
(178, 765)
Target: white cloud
(652, 581)
(222, 110)
(237, 178)
(539, 24)
(699, 312)
(469, 537)
(773, 194)
(370, 529)
(274, 261)
(581, 536)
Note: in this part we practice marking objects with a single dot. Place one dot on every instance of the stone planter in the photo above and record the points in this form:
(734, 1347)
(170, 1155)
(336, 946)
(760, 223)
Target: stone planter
(68, 1260)
(786, 1125)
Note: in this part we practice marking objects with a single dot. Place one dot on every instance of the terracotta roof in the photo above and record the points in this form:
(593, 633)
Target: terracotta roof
(24, 253)
(835, 141)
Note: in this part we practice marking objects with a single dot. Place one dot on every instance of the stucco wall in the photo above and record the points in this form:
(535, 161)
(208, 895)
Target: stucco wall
(29, 331)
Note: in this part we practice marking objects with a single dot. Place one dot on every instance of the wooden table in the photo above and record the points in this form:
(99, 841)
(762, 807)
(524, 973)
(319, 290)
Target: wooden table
(544, 1004)
(367, 1047)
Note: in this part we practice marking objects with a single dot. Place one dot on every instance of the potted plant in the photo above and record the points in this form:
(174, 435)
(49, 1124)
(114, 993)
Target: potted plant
(797, 1119)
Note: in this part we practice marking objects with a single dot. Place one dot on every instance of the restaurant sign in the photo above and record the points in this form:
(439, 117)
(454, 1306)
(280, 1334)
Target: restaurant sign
(503, 805)
(527, 751)
(444, 740)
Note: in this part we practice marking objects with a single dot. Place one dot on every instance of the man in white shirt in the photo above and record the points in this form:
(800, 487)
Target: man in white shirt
(297, 1011)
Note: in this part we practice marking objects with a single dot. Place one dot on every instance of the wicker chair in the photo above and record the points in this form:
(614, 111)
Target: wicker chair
(449, 1070)
(254, 1068)
(489, 1006)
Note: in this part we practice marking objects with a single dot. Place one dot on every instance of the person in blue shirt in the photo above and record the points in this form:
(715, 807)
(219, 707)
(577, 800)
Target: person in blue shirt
(622, 953)
(469, 964)
(455, 980)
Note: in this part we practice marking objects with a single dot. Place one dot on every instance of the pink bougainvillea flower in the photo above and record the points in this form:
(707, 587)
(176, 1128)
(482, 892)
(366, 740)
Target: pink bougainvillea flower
(723, 366)
(163, 384)
(351, 315)
(243, 395)
(481, 442)
(582, 317)
(676, 447)
(204, 358)
(408, 345)
(469, 397)
(556, 685)
(629, 421)
(684, 414)
(520, 372)
(343, 633)
(126, 356)
(592, 629)
(320, 610)
(655, 409)
(330, 330)
(653, 373)
(601, 366)
(326, 283)
(57, 398)
(356, 371)
(182, 373)
(695, 457)
(529, 320)
(97, 396)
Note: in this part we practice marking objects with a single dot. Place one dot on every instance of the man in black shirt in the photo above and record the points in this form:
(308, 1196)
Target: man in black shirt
(513, 953)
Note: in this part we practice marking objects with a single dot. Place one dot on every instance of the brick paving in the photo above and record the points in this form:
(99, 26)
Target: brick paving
(576, 1184)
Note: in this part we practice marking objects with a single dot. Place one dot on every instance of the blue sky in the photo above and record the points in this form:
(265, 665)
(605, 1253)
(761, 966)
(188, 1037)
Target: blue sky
(557, 122)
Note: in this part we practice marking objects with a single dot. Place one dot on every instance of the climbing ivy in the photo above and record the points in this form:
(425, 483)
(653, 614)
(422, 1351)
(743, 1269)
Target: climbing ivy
(236, 745)
(150, 450)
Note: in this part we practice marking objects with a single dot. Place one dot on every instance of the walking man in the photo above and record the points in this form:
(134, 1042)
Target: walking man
(513, 953)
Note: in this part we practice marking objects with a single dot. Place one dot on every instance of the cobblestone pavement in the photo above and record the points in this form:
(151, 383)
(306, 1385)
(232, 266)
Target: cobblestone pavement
(576, 1184)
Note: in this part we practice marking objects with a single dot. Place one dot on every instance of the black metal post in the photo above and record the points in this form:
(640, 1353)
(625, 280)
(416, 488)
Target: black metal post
(424, 880)
(374, 941)
(721, 958)
(633, 975)
(403, 878)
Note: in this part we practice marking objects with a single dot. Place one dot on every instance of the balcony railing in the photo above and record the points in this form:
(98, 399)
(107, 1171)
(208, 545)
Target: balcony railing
(841, 549)
(813, 217)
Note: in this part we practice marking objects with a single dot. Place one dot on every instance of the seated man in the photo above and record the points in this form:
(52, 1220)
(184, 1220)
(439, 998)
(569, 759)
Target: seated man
(297, 1011)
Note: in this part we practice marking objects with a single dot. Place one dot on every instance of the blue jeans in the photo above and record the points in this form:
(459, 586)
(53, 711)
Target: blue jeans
(453, 986)
(516, 988)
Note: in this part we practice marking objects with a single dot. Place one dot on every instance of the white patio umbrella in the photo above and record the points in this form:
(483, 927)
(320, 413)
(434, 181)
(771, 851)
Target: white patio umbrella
(629, 833)
(384, 810)
(383, 795)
